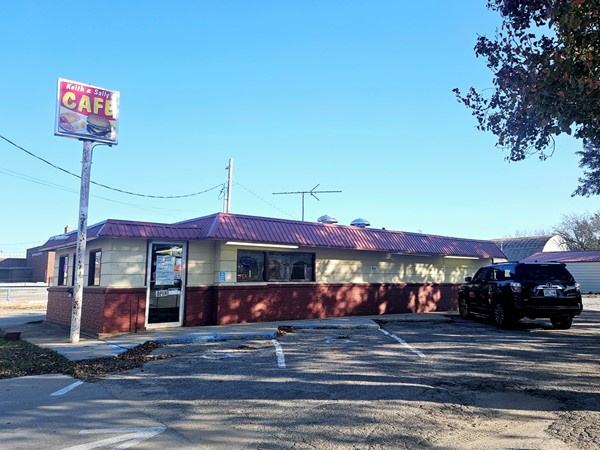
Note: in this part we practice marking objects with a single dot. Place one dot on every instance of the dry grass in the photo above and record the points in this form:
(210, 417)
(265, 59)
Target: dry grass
(20, 358)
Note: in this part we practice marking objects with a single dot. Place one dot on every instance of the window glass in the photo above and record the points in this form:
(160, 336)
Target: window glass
(281, 266)
(545, 272)
(291, 266)
(94, 268)
(250, 266)
(63, 270)
(481, 275)
(507, 272)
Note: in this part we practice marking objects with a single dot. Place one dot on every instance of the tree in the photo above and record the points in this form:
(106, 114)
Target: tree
(529, 233)
(580, 232)
(546, 65)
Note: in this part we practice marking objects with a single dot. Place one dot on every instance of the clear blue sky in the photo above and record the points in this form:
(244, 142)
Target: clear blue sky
(351, 95)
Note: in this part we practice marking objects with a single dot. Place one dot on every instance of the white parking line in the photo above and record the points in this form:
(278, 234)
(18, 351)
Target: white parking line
(279, 353)
(70, 387)
(128, 437)
(412, 349)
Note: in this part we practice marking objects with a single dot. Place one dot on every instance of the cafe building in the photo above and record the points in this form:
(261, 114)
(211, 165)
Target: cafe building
(231, 268)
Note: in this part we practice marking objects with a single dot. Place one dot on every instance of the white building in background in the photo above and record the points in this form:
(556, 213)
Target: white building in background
(585, 267)
(518, 248)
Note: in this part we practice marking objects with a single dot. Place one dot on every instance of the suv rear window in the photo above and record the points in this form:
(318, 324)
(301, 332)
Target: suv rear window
(545, 272)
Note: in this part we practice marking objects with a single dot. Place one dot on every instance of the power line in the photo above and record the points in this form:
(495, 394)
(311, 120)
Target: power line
(24, 243)
(122, 191)
(31, 179)
(35, 180)
(74, 191)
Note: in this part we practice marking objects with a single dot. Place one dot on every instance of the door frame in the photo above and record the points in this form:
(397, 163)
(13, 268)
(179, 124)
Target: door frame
(184, 257)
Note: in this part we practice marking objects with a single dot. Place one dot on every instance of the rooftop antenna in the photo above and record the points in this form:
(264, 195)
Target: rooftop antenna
(303, 193)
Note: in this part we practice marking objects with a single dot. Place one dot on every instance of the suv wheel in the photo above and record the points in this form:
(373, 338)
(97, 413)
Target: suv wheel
(463, 308)
(562, 322)
(501, 316)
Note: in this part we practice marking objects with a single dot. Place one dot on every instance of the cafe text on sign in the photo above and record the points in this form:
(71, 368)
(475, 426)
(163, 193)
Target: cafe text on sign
(87, 112)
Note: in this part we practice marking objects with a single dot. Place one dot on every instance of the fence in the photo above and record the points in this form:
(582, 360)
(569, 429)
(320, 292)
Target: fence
(23, 293)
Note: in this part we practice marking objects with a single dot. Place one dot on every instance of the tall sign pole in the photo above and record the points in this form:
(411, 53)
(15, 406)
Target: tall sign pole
(90, 114)
(84, 196)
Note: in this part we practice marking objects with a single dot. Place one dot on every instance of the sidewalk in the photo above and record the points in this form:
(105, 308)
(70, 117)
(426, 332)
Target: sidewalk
(57, 338)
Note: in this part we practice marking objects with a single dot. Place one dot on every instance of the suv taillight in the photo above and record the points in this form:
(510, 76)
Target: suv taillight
(515, 287)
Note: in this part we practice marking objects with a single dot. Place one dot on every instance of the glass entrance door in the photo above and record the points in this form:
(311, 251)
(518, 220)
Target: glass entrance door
(165, 284)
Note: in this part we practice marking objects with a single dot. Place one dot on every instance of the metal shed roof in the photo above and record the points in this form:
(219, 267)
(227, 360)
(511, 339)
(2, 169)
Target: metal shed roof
(518, 248)
(242, 228)
(565, 257)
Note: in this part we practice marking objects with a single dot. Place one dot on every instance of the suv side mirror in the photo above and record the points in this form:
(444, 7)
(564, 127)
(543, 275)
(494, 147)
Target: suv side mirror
(468, 279)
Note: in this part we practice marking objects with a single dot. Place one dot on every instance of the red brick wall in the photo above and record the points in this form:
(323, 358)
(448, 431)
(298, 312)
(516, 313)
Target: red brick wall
(111, 311)
(199, 306)
(59, 306)
(103, 310)
(239, 304)
(42, 265)
(121, 307)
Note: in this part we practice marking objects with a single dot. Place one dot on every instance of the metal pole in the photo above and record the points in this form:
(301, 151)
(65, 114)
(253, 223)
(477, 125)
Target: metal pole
(229, 181)
(84, 194)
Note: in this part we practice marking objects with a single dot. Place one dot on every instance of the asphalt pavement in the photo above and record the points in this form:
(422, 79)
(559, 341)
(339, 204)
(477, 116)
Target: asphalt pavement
(36, 330)
(60, 412)
(33, 327)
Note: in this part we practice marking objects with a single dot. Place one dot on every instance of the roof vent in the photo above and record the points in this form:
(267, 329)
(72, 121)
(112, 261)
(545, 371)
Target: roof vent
(360, 223)
(327, 219)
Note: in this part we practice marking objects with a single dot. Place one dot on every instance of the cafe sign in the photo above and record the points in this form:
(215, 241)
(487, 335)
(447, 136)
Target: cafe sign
(86, 112)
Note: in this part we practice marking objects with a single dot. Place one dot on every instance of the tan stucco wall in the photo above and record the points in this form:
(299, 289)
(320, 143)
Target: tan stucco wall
(201, 263)
(226, 261)
(123, 262)
(337, 266)
(344, 266)
(124, 265)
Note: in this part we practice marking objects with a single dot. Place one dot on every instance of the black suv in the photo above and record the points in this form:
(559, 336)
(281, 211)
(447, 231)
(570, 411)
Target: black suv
(507, 292)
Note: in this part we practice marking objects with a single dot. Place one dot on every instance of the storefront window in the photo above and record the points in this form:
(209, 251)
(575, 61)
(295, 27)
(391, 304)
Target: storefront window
(282, 266)
(250, 266)
(291, 266)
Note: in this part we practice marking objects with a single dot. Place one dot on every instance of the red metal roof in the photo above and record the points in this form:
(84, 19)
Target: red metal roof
(124, 229)
(565, 257)
(242, 228)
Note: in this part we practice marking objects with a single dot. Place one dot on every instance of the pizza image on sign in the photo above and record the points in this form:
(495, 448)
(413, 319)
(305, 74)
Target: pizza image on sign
(87, 112)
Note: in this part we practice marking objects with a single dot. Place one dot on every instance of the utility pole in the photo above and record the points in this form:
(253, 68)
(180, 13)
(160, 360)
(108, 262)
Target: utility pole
(227, 198)
(311, 192)
(84, 195)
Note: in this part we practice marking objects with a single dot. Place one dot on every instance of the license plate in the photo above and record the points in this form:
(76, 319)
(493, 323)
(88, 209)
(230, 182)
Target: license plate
(549, 292)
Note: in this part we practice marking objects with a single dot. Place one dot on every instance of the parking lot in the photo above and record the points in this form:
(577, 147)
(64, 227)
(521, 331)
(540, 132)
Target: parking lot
(449, 383)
